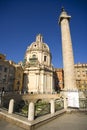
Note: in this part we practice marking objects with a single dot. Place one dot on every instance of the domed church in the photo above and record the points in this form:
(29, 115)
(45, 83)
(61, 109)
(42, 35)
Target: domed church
(38, 70)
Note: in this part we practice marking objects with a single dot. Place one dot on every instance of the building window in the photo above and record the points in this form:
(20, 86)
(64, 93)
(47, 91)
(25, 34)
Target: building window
(5, 69)
(0, 67)
(5, 77)
(45, 58)
(18, 85)
(34, 56)
(0, 77)
(33, 59)
(35, 45)
(44, 46)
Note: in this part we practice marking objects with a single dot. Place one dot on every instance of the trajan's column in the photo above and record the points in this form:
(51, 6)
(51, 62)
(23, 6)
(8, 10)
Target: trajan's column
(67, 51)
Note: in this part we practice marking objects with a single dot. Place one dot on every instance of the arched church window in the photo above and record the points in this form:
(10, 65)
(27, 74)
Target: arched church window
(33, 59)
(45, 58)
(34, 56)
(18, 85)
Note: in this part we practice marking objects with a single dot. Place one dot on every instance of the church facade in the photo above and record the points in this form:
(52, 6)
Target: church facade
(38, 70)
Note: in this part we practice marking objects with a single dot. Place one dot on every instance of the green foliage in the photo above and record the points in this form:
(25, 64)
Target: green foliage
(59, 105)
(42, 108)
(24, 110)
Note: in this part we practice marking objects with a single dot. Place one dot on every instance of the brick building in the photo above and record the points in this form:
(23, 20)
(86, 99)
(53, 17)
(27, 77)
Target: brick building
(59, 79)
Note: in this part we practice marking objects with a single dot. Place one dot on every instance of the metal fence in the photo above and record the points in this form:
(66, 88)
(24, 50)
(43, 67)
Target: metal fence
(59, 104)
(42, 108)
(83, 103)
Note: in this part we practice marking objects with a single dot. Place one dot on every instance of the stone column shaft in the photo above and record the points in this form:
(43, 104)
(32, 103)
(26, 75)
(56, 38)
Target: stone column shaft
(31, 111)
(52, 109)
(11, 106)
(67, 51)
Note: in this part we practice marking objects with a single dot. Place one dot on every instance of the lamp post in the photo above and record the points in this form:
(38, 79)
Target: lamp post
(3, 81)
(0, 98)
(2, 91)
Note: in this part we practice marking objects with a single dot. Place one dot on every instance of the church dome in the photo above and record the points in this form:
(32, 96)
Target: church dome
(38, 45)
(38, 52)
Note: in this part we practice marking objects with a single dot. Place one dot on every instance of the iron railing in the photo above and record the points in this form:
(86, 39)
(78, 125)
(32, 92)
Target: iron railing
(83, 103)
(42, 108)
(59, 104)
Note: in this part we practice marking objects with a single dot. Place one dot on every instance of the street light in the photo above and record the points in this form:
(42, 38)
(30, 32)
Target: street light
(0, 98)
(3, 81)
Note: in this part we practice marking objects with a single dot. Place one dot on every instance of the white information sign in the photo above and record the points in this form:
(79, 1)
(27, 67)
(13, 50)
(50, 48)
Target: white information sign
(73, 99)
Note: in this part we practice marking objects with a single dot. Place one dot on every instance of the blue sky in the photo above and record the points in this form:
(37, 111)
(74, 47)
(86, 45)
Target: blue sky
(22, 20)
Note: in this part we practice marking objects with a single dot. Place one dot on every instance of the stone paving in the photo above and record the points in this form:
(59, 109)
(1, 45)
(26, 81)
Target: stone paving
(70, 121)
(8, 126)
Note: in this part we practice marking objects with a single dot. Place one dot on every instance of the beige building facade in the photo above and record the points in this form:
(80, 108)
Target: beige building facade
(18, 82)
(38, 70)
(7, 74)
(11, 75)
(81, 76)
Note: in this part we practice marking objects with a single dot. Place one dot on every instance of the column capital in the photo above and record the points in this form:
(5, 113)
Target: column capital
(63, 15)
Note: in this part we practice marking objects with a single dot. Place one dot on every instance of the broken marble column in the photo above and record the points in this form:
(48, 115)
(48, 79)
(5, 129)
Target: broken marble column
(31, 111)
(52, 102)
(11, 106)
(65, 103)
